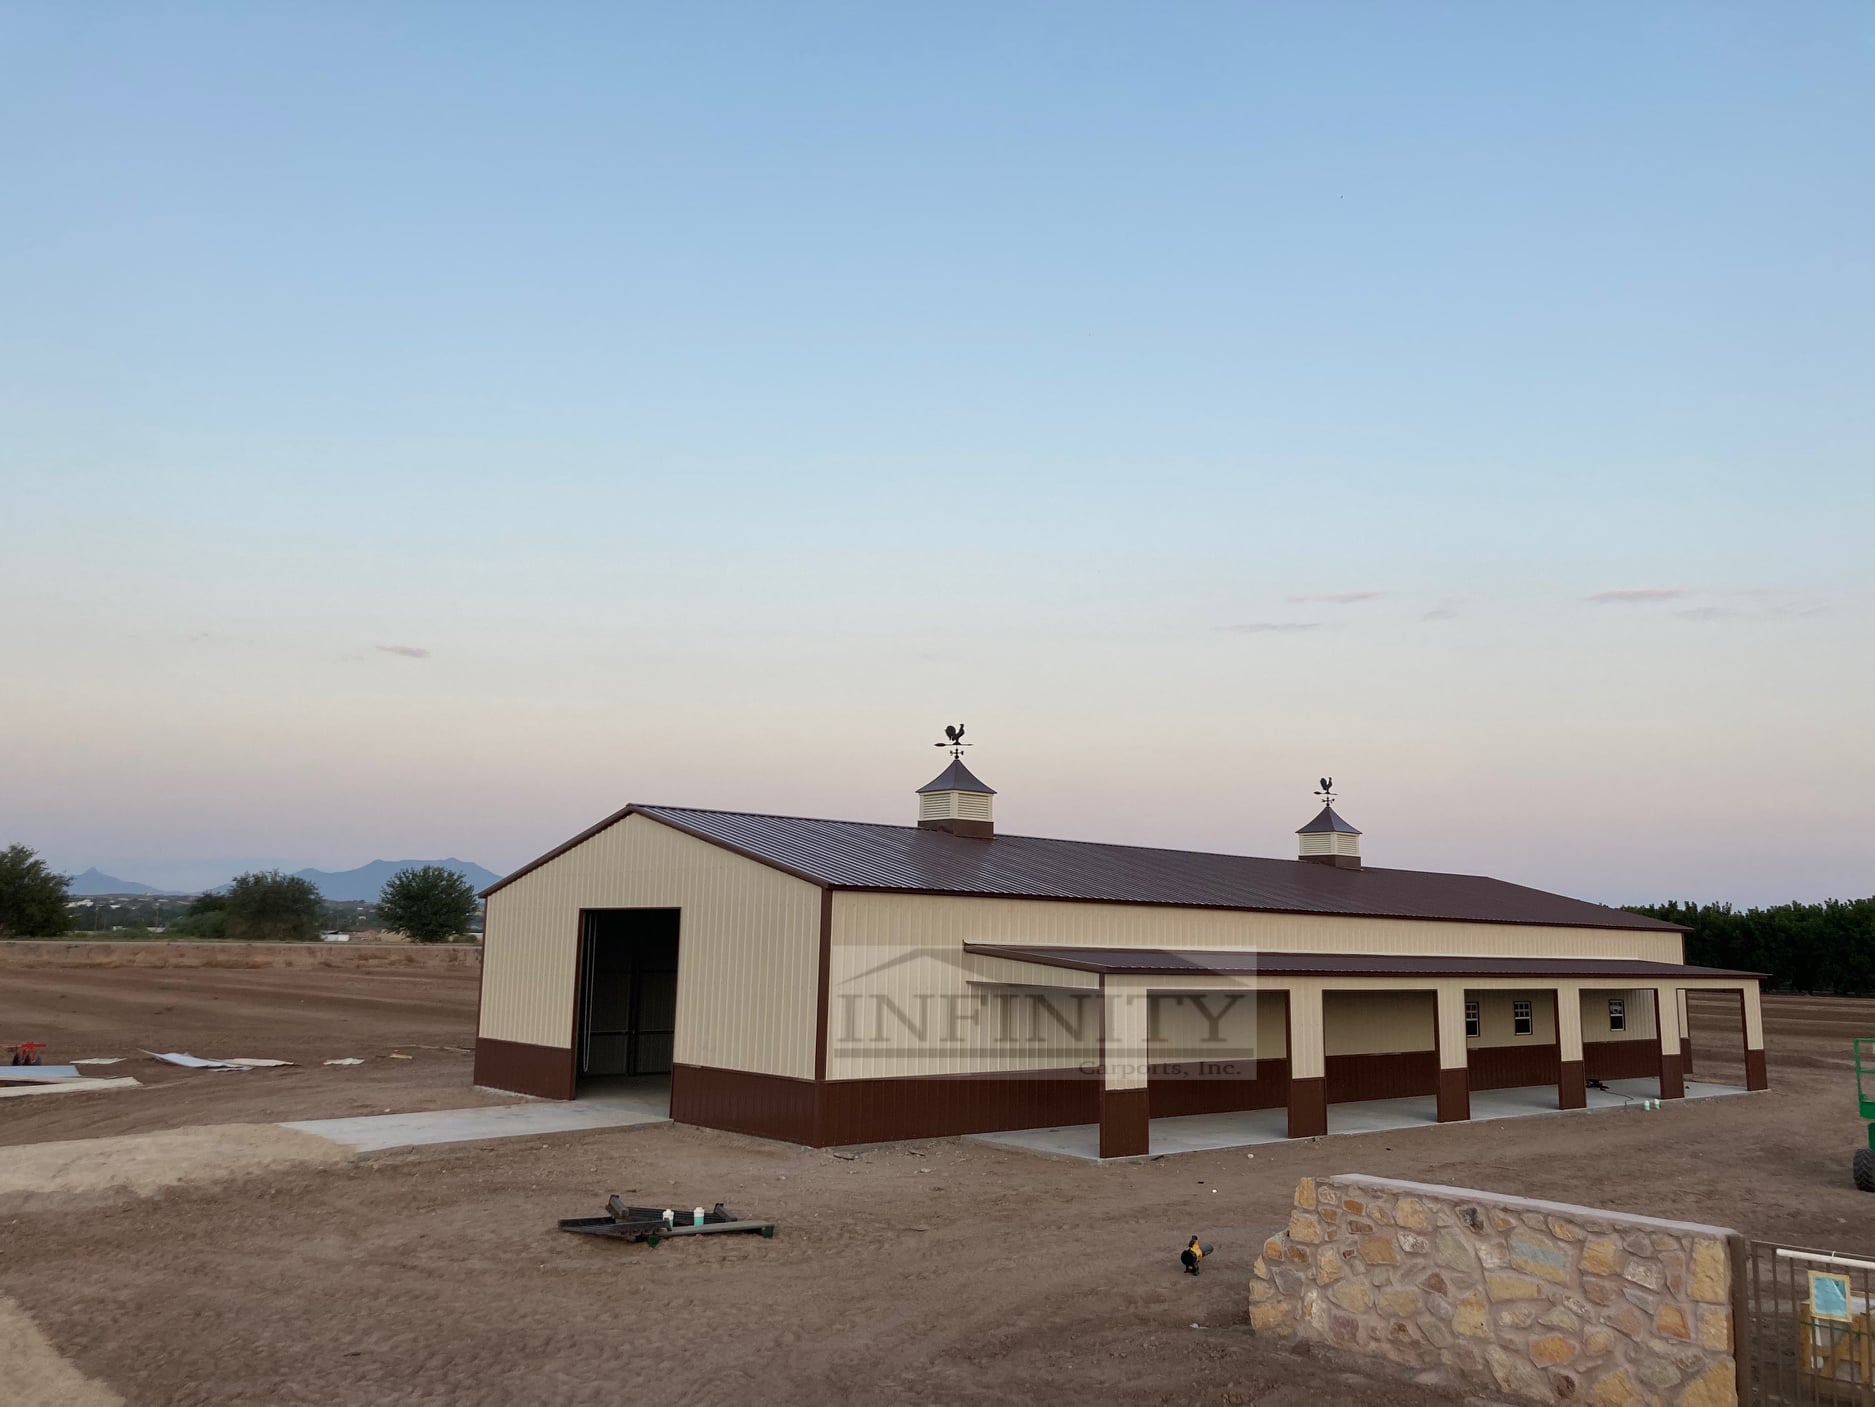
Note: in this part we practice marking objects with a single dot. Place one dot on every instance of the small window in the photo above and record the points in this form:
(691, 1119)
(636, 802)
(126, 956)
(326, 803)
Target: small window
(1522, 1023)
(1474, 1027)
(1617, 1014)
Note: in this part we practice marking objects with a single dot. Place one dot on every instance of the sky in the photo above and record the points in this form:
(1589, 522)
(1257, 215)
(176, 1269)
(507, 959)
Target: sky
(426, 429)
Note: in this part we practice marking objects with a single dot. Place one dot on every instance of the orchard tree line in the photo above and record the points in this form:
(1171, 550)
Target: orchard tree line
(428, 904)
(1827, 947)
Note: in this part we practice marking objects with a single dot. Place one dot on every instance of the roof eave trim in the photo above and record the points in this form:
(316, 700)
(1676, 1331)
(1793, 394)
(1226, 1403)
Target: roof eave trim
(649, 813)
(836, 886)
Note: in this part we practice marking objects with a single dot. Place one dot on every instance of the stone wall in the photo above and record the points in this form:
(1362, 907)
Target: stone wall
(1533, 1300)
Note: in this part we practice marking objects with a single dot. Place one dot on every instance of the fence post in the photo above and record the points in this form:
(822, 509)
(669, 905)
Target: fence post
(1740, 1253)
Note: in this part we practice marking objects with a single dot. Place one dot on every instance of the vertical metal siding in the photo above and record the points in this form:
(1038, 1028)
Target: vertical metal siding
(1378, 1023)
(748, 947)
(874, 933)
(1640, 1011)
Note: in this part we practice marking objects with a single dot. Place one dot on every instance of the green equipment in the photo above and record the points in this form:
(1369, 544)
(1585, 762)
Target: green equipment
(1863, 1164)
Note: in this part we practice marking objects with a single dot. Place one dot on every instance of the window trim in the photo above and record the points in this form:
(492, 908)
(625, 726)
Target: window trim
(1474, 1020)
(1523, 1018)
(1617, 1014)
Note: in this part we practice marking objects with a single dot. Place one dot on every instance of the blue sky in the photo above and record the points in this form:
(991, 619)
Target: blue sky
(1471, 401)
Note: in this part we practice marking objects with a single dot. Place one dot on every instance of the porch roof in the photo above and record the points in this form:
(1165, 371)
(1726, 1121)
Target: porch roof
(1184, 961)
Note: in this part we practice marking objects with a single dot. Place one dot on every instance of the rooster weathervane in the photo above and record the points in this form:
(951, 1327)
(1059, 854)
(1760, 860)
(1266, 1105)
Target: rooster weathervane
(955, 733)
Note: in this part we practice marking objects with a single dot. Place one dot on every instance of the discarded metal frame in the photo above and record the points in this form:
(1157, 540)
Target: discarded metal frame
(647, 1224)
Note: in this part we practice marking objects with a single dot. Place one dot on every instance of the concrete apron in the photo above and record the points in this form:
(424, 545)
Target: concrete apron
(1193, 1133)
(376, 1132)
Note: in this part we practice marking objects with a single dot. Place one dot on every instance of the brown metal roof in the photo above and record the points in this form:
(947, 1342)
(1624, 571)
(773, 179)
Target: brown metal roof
(956, 777)
(1328, 819)
(1166, 961)
(906, 859)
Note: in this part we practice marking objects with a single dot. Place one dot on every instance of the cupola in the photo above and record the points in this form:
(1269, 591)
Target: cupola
(1329, 840)
(955, 800)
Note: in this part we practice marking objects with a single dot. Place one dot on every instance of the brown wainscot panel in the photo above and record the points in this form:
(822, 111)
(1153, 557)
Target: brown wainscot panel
(1194, 1088)
(1621, 1060)
(544, 1071)
(767, 1106)
(942, 1106)
(1513, 1066)
(1395, 1075)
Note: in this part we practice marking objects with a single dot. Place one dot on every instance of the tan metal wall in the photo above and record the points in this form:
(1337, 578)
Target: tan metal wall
(1245, 1022)
(919, 918)
(1498, 1014)
(748, 946)
(1377, 1023)
(1640, 1011)
(901, 955)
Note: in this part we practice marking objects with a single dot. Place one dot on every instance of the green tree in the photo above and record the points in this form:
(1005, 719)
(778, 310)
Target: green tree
(32, 897)
(270, 907)
(429, 903)
(210, 923)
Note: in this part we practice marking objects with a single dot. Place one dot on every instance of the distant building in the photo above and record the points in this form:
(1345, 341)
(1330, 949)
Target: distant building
(832, 982)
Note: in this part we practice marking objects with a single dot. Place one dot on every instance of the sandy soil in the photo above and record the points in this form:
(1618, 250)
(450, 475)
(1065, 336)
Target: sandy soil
(32, 1370)
(946, 1271)
(268, 1001)
(42, 1174)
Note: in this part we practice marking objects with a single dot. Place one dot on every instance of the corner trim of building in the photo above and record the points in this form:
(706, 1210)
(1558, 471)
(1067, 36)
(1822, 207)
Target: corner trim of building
(823, 999)
(544, 1071)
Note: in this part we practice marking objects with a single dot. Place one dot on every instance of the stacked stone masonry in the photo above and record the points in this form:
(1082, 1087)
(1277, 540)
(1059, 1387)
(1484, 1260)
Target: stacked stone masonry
(1530, 1300)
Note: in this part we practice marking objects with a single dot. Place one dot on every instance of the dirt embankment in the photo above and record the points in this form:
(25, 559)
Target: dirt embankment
(30, 953)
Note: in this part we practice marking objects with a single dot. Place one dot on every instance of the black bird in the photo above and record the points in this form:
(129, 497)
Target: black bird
(1328, 783)
(955, 732)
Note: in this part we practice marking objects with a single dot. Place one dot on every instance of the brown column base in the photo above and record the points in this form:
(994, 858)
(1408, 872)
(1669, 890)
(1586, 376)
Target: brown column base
(1672, 1083)
(1572, 1088)
(1756, 1076)
(1125, 1123)
(1308, 1107)
(1454, 1095)
(1686, 1054)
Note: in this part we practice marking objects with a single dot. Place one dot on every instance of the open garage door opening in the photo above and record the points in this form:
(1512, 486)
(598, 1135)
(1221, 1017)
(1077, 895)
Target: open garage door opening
(628, 995)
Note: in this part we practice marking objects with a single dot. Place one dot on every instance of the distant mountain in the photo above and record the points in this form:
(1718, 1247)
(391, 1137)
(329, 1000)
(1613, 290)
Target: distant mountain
(367, 881)
(94, 881)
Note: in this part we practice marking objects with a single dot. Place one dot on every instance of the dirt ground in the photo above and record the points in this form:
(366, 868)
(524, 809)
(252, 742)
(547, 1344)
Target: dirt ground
(946, 1271)
(273, 1001)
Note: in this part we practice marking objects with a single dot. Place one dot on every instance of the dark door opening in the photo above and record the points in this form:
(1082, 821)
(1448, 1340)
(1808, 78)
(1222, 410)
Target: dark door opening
(628, 992)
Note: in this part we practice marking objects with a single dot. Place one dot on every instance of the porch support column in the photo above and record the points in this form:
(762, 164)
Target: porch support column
(1125, 1105)
(1308, 1065)
(1667, 1017)
(1454, 1062)
(1686, 1036)
(1572, 1090)
(1756, 1077)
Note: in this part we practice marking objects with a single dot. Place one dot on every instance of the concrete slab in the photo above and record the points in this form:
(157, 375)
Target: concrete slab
(1195, 1132)
(610, 1109)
